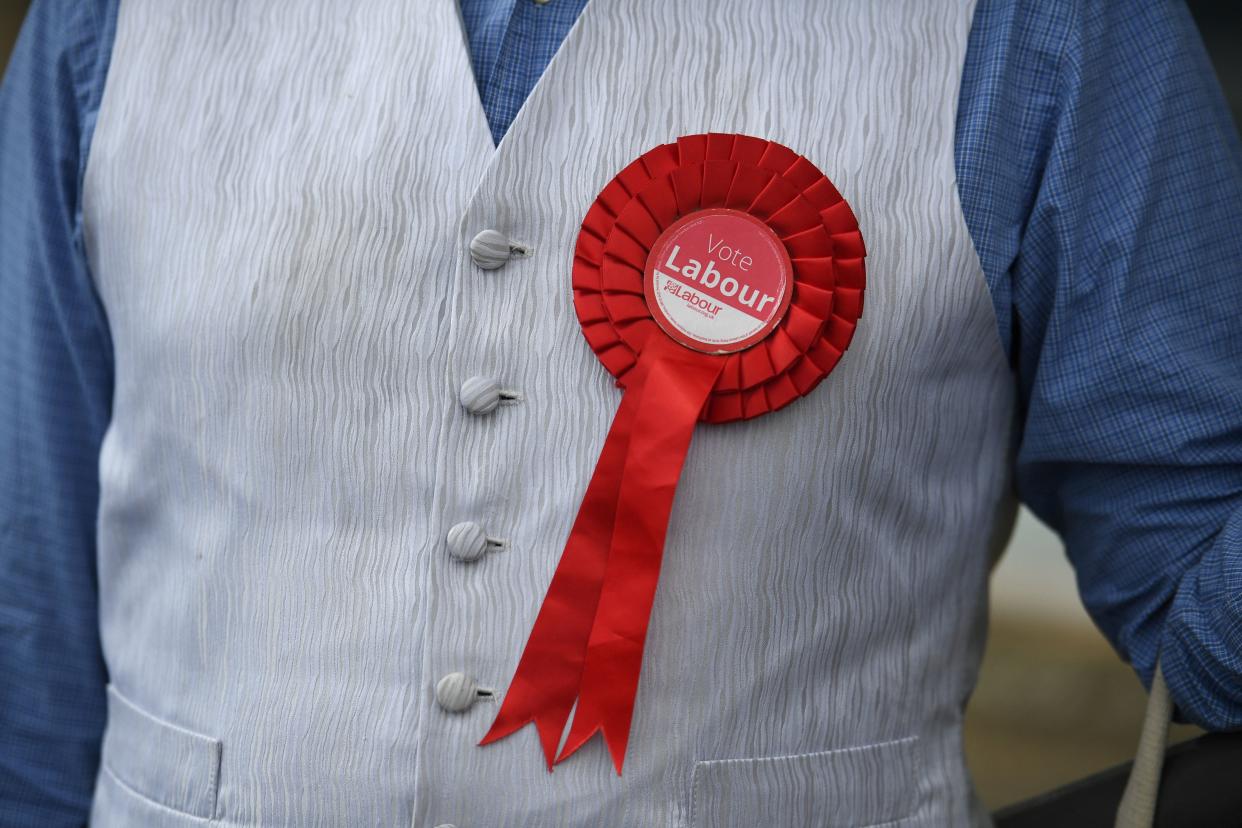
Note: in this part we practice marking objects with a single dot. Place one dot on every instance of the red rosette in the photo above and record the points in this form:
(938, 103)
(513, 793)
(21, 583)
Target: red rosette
(766, 180)
(710, 355)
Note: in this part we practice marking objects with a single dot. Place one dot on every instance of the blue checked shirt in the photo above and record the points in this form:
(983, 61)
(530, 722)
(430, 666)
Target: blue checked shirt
(1101, 178)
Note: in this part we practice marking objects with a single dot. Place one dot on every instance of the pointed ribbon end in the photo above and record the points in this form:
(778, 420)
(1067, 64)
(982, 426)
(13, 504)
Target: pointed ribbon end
(615, 745)
(549, 729)
(577, 738)
(501, 728)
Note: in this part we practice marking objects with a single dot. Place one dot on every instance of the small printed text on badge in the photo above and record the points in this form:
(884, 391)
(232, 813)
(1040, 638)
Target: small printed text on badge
(694, 300)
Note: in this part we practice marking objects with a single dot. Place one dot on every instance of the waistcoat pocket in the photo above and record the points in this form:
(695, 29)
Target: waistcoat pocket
(160, 761)
(870, 785)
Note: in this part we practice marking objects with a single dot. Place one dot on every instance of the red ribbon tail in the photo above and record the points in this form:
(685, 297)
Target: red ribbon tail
(546, 680)
(549, 722)
(669, 402)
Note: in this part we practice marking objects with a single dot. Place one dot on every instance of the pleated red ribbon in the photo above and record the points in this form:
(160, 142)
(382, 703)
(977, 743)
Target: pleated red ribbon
(587, 640)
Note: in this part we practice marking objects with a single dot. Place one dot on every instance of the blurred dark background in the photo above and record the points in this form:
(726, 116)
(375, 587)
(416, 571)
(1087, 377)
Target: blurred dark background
(1220, 23)
(1054, 703)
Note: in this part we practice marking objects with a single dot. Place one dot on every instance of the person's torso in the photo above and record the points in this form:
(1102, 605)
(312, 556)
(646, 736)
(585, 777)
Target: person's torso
(279, 204)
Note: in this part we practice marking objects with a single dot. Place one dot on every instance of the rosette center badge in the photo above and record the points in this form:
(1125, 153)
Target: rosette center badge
(718, 280)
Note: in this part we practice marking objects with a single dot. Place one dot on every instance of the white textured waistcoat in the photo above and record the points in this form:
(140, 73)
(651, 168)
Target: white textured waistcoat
(279, 203)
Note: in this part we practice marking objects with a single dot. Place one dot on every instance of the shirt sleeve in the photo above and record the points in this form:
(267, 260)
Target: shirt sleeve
(55, 401)
(1101, 177)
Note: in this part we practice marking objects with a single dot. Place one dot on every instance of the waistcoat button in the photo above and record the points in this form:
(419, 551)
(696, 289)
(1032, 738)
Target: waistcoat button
(481, 395)
(468, 542)
(491, 249)
(456, 692)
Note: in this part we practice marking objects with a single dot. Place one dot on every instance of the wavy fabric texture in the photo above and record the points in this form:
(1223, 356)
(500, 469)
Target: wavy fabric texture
(293, 310)
(276, 284)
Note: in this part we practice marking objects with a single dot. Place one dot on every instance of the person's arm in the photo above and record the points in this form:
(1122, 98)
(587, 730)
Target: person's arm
(1102, 178)
(55, 403)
